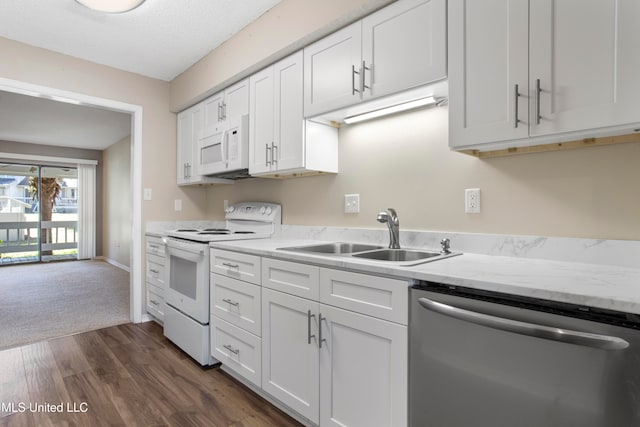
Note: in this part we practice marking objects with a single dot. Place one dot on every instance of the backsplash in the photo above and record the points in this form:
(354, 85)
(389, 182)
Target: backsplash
(624, 253)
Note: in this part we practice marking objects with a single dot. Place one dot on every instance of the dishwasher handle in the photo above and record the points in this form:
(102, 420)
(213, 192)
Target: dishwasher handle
(585, 339)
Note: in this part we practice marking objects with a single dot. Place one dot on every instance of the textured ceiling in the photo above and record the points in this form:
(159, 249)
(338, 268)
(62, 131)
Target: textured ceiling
(159, 39)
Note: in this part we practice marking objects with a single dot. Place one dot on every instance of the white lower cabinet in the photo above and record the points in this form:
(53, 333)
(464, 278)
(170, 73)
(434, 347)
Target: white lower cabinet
(237, 349)
(290, 358)
(155, 279)
(363, 370)
(334, 366)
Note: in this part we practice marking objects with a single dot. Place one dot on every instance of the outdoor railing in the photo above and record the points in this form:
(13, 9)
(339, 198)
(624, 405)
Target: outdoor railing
(23, 236)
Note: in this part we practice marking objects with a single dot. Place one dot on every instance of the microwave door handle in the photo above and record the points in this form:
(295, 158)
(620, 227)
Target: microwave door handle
(225, 149)
(568, 336)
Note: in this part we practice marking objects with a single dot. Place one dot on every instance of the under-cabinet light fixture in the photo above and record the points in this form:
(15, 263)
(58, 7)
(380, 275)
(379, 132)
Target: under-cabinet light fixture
(422, 102)
(111, 6)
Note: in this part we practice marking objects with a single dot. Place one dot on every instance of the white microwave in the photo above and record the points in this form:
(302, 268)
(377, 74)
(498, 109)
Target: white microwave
(223, 149)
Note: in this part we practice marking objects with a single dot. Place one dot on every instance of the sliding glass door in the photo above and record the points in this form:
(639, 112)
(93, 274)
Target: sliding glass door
(38, 213)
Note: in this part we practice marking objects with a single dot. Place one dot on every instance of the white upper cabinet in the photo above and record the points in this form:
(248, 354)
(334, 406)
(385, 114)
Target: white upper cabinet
(281, 142)
(404, 46)
(397, 48)
(331, 64)
(488, 63)
(232, 102)
(530, 72)
(586, 57)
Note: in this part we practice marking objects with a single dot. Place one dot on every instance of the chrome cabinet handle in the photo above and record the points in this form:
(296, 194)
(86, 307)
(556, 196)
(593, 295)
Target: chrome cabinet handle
(266, 154)
(227, 264)
(309, 336)
(154, 271)
(231, 349)
(363, 75)
(151, 245)
(567, 336)
(353, 80)
(538, 92)
(320, 339)
(517, 97)
(274, 159)
(219, 112)
(231, 302)
(154, 302)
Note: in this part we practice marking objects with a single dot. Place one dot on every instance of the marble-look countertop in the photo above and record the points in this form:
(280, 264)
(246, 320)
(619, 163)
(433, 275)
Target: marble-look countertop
(612, 287)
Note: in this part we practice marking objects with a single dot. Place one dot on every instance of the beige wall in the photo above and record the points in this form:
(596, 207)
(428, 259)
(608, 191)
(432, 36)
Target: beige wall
(287, 27)
(116, 199)
(404, 162)
(42, 67)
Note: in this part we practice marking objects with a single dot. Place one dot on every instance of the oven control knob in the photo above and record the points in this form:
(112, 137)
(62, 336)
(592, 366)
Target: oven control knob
(230, 209)
(263, 210)
(268, 210)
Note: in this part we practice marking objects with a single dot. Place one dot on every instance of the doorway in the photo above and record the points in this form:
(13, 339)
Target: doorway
(136, 302)
(38, 213)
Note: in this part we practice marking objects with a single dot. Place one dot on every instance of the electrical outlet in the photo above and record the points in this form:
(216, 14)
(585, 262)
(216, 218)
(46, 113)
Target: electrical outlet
(177, 205)
(351, 203)
(472, 200)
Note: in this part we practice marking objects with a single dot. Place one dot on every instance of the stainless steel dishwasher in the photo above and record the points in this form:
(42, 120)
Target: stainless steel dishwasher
(480, 358)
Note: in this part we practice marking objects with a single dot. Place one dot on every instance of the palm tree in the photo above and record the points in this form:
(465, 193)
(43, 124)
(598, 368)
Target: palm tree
(51, 189)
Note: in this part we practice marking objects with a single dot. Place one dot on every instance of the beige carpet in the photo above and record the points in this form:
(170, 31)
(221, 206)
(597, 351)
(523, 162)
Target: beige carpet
(42, 301)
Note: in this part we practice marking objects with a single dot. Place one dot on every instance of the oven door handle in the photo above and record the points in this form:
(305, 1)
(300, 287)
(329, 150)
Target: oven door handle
(568, 336)
(196, 248)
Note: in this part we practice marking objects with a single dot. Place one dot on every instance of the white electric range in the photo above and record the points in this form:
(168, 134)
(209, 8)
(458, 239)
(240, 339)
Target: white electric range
(186, 320)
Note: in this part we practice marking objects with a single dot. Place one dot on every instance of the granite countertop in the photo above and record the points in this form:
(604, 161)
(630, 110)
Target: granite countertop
(602, 286)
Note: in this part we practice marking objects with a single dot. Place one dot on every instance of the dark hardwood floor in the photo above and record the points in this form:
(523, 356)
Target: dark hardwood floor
(127, 375)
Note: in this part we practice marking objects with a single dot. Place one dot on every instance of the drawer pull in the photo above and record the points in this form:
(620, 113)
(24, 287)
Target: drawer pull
(154, 246)
(154, 302)
(231, 349)
(230, 302)
(227, 264)
(154, 271)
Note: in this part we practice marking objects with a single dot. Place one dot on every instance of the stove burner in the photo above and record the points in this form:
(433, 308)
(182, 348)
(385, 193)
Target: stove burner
(215, 229)
(244, 232)
(214, 232)
(186, 230)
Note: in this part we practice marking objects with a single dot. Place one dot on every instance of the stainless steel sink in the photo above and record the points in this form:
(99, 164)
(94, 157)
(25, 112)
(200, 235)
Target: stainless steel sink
(337, 248)
(397, 255)
(404, 256)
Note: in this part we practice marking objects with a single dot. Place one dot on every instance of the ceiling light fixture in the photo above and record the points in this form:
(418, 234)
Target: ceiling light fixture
(411, 105)
(111, 6)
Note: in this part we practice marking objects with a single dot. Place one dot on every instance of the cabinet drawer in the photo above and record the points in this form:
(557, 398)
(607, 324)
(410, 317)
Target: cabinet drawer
(236, 265)
(156, 270)
(380, 297)
(236, 302)
(156, 246)
(291, 277)
(155, 303)
(237, 349)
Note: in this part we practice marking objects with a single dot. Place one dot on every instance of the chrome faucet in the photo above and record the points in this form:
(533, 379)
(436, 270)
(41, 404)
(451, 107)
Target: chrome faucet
(391, 218)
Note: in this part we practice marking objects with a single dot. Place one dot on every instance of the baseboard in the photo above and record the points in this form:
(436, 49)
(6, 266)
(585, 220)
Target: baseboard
(114, 263)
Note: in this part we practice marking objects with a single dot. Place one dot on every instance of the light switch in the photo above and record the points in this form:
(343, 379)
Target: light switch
(147, 194)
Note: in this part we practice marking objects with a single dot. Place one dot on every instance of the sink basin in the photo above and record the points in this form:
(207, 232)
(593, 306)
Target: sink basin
(397, 255)
(338, 248)
(404, 256)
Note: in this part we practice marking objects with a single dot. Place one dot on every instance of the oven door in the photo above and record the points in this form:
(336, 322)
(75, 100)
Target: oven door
(188, 278)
